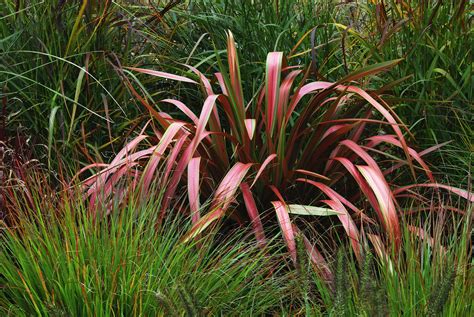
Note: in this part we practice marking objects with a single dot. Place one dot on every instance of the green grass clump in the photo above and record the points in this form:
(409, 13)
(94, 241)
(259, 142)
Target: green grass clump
(57, 258)
(259, 26)
(58, 71)
(426, 278)
(65, 262)
(436, 40)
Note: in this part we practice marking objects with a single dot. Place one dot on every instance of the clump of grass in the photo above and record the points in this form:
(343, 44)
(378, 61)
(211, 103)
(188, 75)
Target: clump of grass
(58, 67)
(426, 277)
(260, 26)
(434, 91)
(63, 261)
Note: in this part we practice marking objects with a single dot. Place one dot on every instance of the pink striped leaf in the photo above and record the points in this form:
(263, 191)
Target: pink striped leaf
(250, 125)
(193, 188)
(283, 98)
(172, 158)
(286, 227)
(253, 213)
(225, 194)
(351, 168)
(164, 143)
(386, 202)
(162, 74)
(272, 85)
(357, 149)
(458, 191)
(204, 80)
(265, 163)
(181, 106)
(234, 70)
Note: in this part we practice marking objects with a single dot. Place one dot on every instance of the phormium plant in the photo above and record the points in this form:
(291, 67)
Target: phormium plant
(305, 148)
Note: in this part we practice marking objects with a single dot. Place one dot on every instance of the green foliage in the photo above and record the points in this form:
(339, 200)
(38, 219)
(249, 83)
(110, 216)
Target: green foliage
(436, 41)
(58, 71)
(61, 261)
(259, 26)
(372, 297)
(424, 278)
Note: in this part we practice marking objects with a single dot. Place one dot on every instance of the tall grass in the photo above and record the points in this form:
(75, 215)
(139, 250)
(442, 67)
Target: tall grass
(56, 260)
(58, 63)
(259, 27)
(436, 41)
(432, 275)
